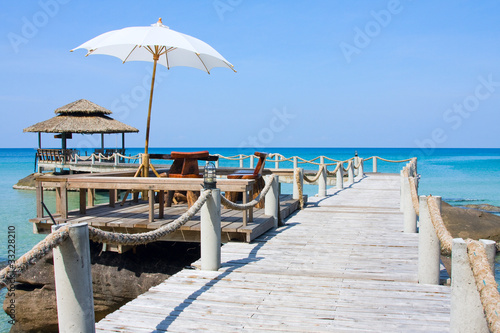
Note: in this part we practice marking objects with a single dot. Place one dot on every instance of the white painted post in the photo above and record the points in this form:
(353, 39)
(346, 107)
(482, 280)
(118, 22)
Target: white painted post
(241, 161)
(211, 233)
(217, 162)
(116, 159)
(356, 162)
(429, 248)
(277, 163)
(295, 185)
(295, 162)
(93, 159)
(272, 201)
(340, 176)
(374, 164)
(410, 216)
(350, 172)
(100, 157)
(401, 192)
(322, 181)
(252, 161)
(467, 314)
(491, 251)
(73, 281)
(361, 172)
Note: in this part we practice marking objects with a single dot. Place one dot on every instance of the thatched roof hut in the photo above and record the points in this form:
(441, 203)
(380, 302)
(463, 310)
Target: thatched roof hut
(82, 117)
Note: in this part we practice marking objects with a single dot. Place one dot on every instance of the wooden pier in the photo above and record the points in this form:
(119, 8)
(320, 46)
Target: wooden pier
(343, 264)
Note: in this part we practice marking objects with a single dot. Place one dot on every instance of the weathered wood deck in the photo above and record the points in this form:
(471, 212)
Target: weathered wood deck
(133, 217)
(341, 265)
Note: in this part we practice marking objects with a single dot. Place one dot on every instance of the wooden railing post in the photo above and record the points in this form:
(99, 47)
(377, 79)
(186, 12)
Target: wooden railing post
(356, 162)
(340, 176)
(211, 232)
(241, 161)
(467, 314)
(252, 162)
(39, 198)
(93, 159)
(409, 214)
(277, 163)
(300, 171)
(295, 162)
(272, 201)
(429, 248)
(322, 178)
(116, 158)
(73, 281)
(374, 164)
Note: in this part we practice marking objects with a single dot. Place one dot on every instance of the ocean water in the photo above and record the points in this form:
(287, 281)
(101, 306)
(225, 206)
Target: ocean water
(460, 176)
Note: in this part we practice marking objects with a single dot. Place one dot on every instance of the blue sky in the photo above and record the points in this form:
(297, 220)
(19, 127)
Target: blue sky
(310, 73)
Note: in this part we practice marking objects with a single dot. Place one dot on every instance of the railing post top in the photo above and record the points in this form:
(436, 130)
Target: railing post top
(487, 241)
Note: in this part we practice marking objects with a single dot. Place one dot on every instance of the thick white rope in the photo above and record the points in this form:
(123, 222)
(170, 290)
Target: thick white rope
(252, 203)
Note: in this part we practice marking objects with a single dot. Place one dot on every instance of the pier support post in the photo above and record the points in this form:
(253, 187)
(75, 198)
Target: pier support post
(429, 248)
(350, 172)
(322, 179)
(340, 176)
(374, 164)
(467, 314)
(211, 233)
(73, 281)
(271, 205)
(410, 216)
(296, 195)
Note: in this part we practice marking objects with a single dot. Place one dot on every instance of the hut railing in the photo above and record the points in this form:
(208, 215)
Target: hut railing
(56, 155)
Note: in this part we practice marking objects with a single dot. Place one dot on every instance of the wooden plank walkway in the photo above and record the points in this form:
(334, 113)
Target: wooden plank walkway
(341, 265)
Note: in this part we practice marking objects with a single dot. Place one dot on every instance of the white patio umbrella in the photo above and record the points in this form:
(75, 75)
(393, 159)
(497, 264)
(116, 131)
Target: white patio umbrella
(158, 44)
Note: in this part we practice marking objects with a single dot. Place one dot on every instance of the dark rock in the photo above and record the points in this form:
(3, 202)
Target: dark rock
(116, 280)
(470, 223)
(485, 208)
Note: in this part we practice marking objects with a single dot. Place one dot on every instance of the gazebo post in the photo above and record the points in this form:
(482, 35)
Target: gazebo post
(39, 140)
(102, 142)
(63, 140)
(123, 142)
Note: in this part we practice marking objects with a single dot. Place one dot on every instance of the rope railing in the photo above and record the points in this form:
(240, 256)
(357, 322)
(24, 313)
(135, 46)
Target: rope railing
(414, 195)
(108, 237)
(15, 269)
(443, 234)
(334, 172)
(316, 177)
(485, 283)
(30, 258)
(226, 202)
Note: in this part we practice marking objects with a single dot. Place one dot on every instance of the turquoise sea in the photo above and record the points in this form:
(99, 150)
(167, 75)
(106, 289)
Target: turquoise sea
(460, 176)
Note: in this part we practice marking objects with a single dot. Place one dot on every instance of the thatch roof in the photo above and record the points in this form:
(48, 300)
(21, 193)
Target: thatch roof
(82, 106)
(84, 117)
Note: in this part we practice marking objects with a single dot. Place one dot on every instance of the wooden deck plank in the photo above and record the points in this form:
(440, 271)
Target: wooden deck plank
(342, 264)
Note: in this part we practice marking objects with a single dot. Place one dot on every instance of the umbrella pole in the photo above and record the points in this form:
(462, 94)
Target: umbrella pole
(145, 157)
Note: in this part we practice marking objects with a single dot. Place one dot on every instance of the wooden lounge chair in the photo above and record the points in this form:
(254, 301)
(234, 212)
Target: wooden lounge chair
(249, 174)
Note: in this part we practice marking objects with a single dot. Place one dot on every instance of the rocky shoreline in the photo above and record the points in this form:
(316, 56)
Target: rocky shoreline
(116, 280)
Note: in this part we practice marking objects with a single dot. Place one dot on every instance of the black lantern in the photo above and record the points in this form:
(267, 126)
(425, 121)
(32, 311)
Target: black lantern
(210, 176)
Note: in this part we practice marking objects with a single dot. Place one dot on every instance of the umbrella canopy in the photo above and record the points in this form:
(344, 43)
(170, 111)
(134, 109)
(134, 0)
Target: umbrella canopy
(158, 44)
(144, 43)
